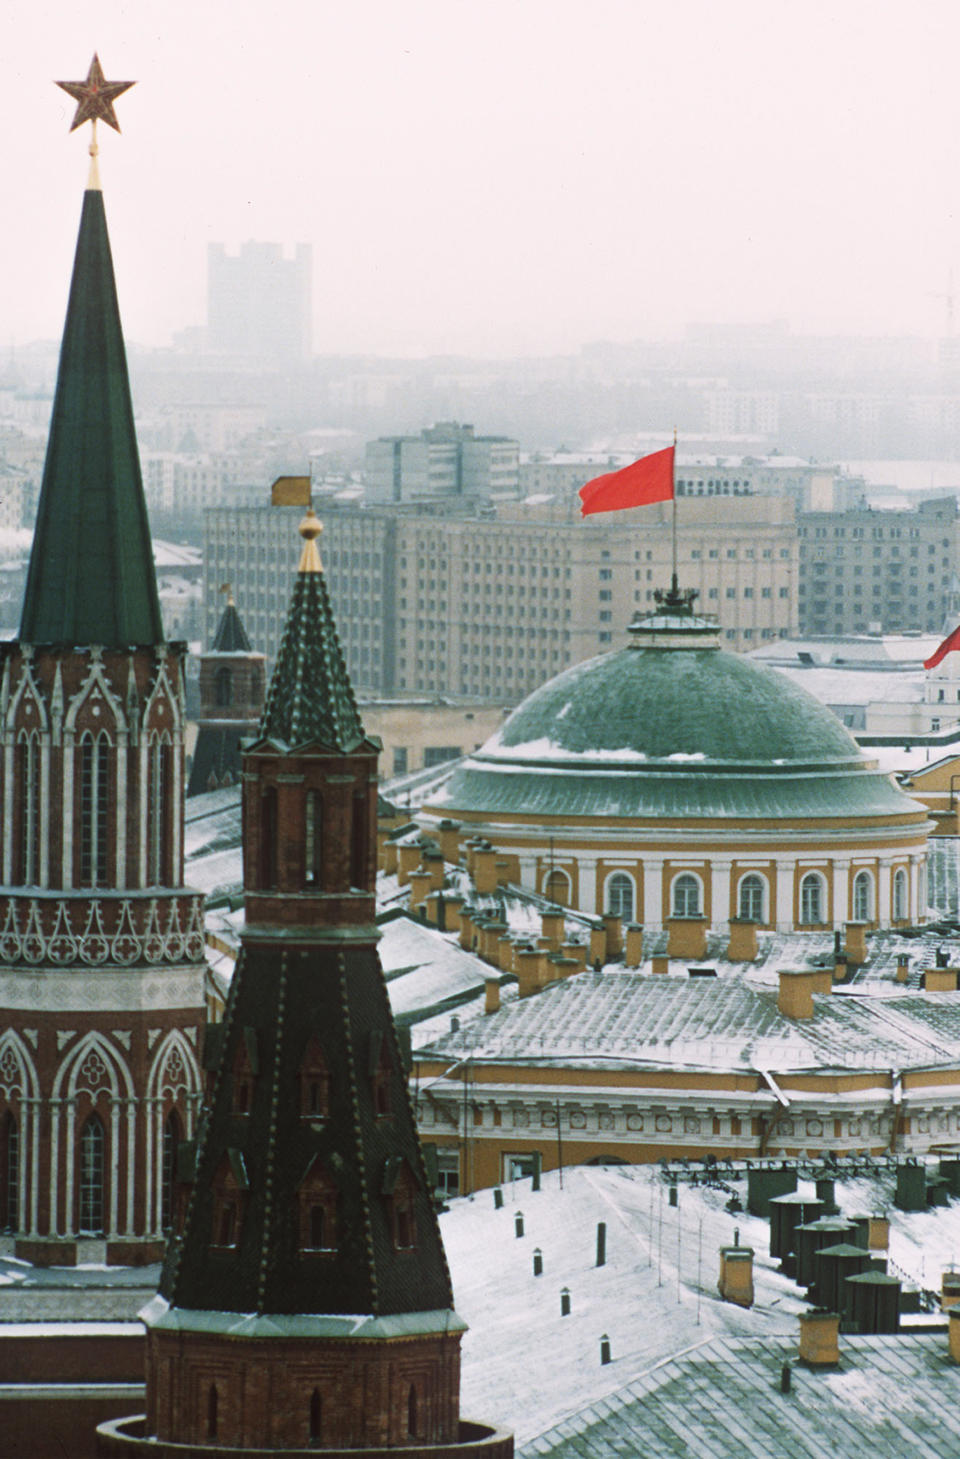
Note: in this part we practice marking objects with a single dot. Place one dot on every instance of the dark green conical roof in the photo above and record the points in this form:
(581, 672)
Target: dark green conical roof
(231, 636)
(310, 699)
(91, 578)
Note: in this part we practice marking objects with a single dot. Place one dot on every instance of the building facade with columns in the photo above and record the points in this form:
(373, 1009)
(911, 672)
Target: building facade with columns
(101, 944)
(678, 785)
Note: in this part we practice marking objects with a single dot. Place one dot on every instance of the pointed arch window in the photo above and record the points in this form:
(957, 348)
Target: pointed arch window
(94, 808)
(160, 872)
(92, 1171)
(900, 913)
(10, 1173)
(28, 849)
(751, 898)
(313, 839)
(171, 1141)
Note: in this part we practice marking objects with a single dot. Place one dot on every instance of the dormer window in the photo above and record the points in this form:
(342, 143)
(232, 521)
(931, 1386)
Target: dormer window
(246, 1067)
(230, 1187)
(380, 1076)
(317, 1196)
(400, 1189)
(314, 1083)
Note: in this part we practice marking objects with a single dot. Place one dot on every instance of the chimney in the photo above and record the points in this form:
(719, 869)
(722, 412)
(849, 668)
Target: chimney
(491, 995)
(551, 927)
(903, 967)
(856, 942)
(840, 967)
(878, 1233)
(659, 963)
(633, 952)
(598, 946)
(408, 854)
(953, 1315)
(466, 927)
(505, 945)
(485, 870)
(448, 834)
(821, 980)
(736, 1275)
(687, 938)
(613, 935)
(577, 951)
(795, 998)
(949, 1290)
(531, 965)
(940, 980)
(819, 1334)
(742, 947)
(433, 863)
(419, 881)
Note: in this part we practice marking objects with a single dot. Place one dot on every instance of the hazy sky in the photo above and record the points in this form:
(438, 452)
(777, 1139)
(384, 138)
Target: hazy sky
(514, 176)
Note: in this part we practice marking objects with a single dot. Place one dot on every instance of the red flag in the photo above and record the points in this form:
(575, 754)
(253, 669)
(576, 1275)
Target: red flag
(951, 642)
(648, 480)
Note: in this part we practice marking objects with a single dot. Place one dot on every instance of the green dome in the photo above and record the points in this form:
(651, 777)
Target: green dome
(672, 726)
(661, 704)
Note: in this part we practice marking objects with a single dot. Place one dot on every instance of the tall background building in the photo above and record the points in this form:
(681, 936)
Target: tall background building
(259, 303)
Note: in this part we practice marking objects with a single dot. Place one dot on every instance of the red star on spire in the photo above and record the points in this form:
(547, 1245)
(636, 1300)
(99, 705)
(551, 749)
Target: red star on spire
(95, 97)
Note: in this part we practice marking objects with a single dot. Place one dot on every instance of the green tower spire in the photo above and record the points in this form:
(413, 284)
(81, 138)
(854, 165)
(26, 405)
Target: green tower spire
(310, 699)
(91, 578)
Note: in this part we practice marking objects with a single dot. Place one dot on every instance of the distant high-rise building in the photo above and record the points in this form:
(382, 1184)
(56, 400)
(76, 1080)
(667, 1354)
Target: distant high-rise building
(445, 462)
(258, 302)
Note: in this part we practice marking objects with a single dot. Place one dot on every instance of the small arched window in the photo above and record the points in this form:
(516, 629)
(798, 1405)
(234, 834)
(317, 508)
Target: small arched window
(268, 838)
(811, 899)
(900, 895)
(686, 896)
(313, 839)
(223, 688)
(863, 897)
(751, 898)
(91, 1177)
(620, 896)
(316, 1417)
(412, 1428)
(556, 887)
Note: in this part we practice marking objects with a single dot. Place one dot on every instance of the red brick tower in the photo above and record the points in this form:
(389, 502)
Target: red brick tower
(305, 1303)
(101, 945)
(231, 702)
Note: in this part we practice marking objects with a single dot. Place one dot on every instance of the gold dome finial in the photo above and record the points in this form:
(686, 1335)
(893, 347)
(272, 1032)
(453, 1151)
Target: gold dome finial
(310, 529)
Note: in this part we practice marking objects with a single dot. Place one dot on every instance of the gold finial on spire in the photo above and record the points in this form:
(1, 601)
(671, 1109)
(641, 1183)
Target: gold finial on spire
(228, 589)
(310, 529)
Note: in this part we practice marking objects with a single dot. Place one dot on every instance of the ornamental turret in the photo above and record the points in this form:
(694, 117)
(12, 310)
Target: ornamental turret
(101, 945)
(305, 1301)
